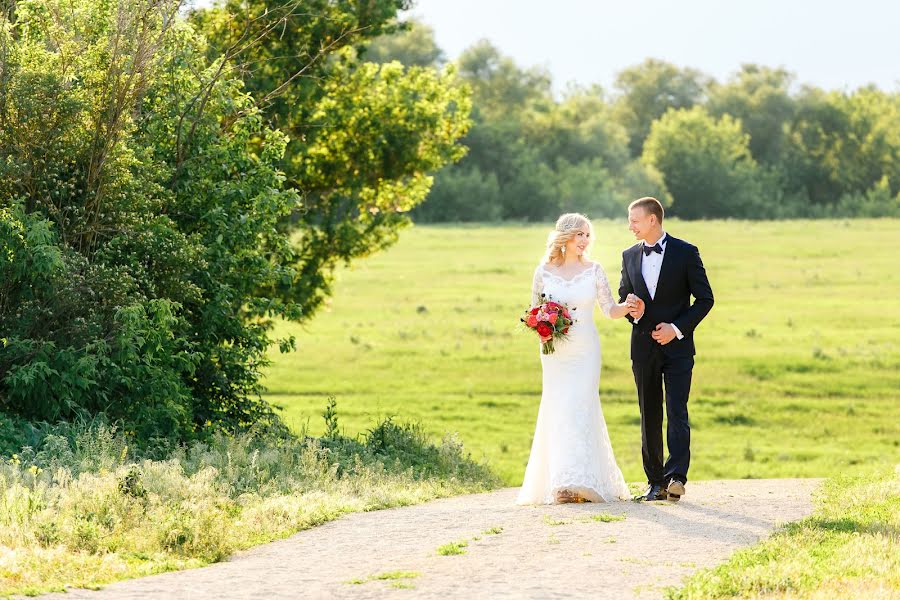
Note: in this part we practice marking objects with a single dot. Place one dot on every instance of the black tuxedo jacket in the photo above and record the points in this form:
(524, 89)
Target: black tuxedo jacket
(681, 276)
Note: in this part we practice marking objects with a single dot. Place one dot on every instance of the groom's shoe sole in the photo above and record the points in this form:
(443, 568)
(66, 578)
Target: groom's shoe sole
(675, 490)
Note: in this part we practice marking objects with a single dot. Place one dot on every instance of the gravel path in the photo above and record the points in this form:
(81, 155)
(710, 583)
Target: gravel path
(561, 551)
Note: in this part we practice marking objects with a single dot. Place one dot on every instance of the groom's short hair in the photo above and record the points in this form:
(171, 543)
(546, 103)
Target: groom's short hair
(650, 205)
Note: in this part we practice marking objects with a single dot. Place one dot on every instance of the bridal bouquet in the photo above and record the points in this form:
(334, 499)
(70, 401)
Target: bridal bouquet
(551, 320)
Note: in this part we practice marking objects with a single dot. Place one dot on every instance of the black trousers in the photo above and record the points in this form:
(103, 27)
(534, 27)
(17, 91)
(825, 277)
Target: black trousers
(649, 376)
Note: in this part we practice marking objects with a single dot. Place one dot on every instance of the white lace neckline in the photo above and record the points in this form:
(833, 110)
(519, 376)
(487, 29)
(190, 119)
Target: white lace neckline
(574, 278)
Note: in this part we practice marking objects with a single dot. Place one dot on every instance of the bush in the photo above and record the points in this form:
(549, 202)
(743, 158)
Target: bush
(461, 195)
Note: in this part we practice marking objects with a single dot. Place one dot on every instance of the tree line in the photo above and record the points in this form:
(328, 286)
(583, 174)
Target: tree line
(757, 146)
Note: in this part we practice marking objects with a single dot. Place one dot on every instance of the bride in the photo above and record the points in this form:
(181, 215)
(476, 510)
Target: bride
(571, 455)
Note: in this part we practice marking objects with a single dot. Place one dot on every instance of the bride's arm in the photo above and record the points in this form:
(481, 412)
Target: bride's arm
(605, 297)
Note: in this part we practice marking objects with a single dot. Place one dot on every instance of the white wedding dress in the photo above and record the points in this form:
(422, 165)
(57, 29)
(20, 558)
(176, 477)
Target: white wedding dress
(571, 448)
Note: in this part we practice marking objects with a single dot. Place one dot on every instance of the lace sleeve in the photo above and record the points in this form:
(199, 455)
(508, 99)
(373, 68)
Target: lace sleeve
(604, 294)
(537, 286)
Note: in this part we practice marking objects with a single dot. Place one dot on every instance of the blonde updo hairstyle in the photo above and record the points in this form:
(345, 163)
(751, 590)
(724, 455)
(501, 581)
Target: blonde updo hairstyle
(567, 227)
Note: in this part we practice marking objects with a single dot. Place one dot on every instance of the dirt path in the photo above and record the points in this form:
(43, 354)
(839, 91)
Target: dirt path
(563, 551)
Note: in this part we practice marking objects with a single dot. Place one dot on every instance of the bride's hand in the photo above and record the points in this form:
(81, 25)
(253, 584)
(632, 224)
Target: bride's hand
(635, 306)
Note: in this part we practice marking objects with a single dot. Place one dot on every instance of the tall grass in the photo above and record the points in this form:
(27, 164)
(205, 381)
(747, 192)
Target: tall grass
(79, 509)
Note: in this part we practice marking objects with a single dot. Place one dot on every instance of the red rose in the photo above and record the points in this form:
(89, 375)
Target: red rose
(535, 310)
(532, 321)
(544, 329)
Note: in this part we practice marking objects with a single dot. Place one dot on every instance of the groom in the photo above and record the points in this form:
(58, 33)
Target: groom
(659, 276)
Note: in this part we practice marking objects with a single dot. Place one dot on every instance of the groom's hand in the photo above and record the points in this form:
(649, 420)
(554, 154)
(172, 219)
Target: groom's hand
(635, 305)
(664, 333)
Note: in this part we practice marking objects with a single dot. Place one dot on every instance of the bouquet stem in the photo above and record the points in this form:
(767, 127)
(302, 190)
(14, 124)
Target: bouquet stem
(547, 347)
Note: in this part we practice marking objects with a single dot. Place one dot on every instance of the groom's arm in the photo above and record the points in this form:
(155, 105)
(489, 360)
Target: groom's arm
(700, 290)
(625, 286)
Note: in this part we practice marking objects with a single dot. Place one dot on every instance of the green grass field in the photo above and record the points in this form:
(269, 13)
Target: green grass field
(798, 365)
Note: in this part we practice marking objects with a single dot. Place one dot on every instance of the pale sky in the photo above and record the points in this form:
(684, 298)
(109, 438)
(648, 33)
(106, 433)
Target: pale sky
(835, 45)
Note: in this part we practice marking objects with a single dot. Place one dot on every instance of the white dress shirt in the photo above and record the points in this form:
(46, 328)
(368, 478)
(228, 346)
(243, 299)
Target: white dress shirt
(650, 266)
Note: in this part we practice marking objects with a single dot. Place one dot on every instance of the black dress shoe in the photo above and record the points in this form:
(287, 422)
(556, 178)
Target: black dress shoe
(654, 492)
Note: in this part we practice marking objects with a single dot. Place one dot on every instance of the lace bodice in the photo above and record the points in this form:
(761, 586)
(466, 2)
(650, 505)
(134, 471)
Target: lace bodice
(583, 290)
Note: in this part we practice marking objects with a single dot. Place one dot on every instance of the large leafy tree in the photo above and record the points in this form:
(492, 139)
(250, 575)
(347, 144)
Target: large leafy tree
(706, 164)
(646, 91)
(760, 97)
(363, 137)
(162, 199)
(500, 87)
(139, 197)
(414, 46)
(843, 144)
(510, 176)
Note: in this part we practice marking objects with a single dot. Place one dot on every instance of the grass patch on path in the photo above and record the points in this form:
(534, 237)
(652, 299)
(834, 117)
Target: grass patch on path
(398, 577)
(849, 548)
(453, 548)
(607, 518)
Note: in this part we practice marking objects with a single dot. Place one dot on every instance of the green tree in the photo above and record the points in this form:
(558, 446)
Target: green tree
(138, 200)
(363, 137)
(502, 94)
(150, 222)
(760, 98)
(843, 144)
(705, 163)
(577, 128)
(646, 91)
(414, 46)
(500, 88)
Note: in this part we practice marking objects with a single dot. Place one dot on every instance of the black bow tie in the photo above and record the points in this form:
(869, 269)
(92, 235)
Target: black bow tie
(654, 248)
